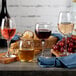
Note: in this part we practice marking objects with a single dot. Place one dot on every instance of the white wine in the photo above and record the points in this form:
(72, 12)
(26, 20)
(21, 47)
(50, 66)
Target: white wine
(66, 28)
(26, 55)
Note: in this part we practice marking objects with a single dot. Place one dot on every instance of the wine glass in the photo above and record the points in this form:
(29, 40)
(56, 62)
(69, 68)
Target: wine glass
(43, 32)
(8, 30)
(26, 50)
(65, 26)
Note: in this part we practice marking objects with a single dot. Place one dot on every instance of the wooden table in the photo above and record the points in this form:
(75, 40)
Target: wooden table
(32, 69)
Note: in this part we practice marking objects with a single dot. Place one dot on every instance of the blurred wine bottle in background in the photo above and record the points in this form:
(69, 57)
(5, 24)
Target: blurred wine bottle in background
(3, 14)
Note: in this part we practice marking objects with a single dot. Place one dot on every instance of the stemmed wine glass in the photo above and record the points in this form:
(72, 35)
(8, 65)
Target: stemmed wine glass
(65, 26)
(43, 32)
(8, 30)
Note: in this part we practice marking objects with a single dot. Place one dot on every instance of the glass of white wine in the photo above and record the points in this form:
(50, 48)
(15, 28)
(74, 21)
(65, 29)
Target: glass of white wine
(26, 50)
(65, 26)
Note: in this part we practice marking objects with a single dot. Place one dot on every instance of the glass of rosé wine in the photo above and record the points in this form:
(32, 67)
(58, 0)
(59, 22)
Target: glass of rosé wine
(8, 30)
(43, 32)
(65, 26)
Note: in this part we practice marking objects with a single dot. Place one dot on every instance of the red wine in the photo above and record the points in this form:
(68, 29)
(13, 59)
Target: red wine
(43, 33)
(3, 14)
(8, 33)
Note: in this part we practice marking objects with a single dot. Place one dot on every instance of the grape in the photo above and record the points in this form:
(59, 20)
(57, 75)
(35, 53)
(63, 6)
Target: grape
(55, 47)
(61, 49)
(61, 44)
(71, 44)
(69, 49)
(68, 38)
(68, 41)
(71, 40)
(63, 39)
(75, 41)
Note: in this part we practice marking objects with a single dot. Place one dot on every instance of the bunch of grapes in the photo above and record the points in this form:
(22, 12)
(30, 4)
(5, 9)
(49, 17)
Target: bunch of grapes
(71, 45)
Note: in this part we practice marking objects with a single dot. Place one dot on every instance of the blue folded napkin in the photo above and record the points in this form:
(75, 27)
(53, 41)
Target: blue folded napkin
(58, 35)
(16, 37)
(46, 62)
(66, 61)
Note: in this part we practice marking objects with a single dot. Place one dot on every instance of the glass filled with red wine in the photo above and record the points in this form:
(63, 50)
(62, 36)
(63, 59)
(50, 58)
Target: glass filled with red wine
(43, 32)
(8, 30)
(65, 26)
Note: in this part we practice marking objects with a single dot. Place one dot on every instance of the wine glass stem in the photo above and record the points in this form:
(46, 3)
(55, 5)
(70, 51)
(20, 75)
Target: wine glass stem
(43, 43)
(65, 51)
(8, 54)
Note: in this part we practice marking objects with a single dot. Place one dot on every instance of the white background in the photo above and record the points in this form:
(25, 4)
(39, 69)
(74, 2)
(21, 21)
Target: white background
(29, 12)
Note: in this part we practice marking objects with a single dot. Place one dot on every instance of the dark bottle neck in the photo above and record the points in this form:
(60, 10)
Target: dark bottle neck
(4, 6)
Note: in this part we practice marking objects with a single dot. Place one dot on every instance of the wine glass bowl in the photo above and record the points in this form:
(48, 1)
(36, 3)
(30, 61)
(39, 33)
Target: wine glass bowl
(65, 26)
(8, 30)
(26, 50)
(43, 32)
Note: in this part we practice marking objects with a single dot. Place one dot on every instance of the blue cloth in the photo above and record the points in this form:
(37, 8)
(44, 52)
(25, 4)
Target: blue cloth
(58, 35)
(46, 62)
(66, 61)
(69, 61)
(16, 37)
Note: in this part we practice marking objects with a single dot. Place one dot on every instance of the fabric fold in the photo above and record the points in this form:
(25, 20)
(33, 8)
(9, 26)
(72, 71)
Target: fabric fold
(63, 62)
(46, 62)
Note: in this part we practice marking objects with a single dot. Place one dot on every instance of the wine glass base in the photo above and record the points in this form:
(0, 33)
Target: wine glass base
(46, 57)
(46, 53)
